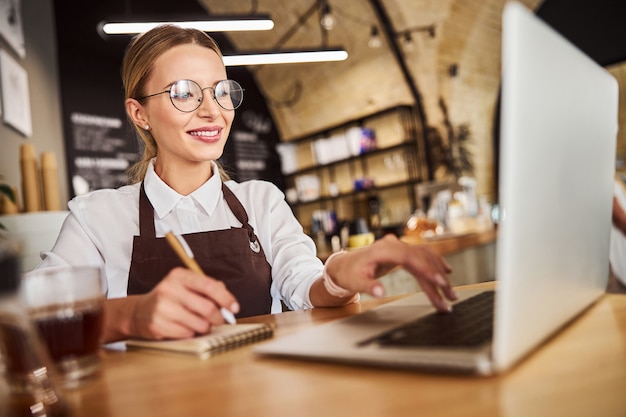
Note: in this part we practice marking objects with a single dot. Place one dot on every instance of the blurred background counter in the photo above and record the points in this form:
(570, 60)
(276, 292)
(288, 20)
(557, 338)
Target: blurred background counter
(472, 257)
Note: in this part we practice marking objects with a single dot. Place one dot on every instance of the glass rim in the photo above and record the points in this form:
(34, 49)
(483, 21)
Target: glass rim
(42, 286)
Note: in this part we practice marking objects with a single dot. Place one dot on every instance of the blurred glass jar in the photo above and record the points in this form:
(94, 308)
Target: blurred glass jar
(422, 226)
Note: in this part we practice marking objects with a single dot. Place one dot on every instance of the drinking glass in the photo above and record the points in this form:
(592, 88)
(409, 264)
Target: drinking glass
(66, 305)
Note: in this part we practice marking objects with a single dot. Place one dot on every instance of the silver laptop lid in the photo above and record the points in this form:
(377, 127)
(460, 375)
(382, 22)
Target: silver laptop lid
(558, 134)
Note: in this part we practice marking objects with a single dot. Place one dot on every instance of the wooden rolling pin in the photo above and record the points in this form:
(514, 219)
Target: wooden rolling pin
(50, 181)
(31, 190)
(9, 206)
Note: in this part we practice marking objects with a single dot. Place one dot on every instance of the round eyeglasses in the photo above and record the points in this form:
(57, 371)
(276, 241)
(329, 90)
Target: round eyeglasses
(187, 95)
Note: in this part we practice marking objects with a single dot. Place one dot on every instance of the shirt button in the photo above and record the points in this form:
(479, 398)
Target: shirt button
(186, 203)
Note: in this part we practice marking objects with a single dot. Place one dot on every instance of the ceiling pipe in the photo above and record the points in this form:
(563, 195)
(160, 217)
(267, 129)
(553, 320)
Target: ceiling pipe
(390, 34)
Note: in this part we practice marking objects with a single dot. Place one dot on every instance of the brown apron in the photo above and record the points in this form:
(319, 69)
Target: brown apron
(234, 256)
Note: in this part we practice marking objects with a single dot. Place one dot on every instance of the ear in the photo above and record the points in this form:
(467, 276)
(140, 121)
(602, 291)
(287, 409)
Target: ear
(136, 112)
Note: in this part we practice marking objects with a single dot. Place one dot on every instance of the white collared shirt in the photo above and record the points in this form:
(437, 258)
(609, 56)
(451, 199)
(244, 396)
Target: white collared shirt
(101, 224)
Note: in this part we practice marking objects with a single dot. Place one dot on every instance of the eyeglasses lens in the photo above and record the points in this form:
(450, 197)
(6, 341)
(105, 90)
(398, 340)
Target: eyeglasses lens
(229, 94)
(187, 95)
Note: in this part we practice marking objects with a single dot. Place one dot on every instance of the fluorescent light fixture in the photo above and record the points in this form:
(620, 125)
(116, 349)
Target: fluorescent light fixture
(293, 57)
(217, 25)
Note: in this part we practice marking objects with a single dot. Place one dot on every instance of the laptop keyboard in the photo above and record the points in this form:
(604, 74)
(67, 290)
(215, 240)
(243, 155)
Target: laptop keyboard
(469, 325)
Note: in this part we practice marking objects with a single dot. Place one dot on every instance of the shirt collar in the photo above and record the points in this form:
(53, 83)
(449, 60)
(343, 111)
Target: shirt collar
(164, 199)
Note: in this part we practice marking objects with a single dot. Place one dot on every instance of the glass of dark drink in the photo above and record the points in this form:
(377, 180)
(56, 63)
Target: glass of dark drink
(66, 305)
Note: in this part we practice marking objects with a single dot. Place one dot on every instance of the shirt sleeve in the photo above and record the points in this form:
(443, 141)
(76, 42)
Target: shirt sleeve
(295, 264)
(72, 247)
(98, 231)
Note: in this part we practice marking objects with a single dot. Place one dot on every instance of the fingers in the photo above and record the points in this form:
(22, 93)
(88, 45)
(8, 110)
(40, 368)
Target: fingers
(434, 295)
(358, 271)
(209, 288)
(167, 319)
(183, 304)
(430, 270)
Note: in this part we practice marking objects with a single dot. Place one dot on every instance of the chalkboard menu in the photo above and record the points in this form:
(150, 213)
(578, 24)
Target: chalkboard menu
(98, 152)
(250, 152)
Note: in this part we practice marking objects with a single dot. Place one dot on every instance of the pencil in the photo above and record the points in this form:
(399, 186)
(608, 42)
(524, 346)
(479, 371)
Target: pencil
(183, 251)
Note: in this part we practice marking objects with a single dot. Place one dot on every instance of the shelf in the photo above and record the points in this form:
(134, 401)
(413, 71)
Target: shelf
(396, 167)
(354, 193)
(371, 153)
(356, 122)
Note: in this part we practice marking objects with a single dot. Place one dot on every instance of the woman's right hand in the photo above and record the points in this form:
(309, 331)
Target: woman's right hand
(183, 304)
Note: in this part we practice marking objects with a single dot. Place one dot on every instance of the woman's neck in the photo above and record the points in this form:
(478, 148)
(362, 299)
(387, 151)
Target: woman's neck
(184, 179)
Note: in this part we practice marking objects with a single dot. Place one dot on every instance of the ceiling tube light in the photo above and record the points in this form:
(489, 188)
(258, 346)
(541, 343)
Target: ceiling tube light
(217, 25)
(267, 58)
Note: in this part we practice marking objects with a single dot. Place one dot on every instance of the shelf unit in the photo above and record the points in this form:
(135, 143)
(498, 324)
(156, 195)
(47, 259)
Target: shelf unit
(396, 166)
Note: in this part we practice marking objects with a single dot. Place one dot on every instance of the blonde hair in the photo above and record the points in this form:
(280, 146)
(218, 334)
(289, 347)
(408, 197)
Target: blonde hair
(137, 66)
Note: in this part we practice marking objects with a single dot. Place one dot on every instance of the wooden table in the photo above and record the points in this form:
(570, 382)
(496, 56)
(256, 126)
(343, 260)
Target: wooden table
(580, 372)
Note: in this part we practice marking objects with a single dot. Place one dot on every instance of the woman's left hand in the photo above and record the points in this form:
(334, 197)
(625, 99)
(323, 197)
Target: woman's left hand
(358, 270)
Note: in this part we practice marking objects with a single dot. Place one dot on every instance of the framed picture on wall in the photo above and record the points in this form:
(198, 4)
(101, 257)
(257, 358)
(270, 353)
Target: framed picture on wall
(11, 27)
(15, 95)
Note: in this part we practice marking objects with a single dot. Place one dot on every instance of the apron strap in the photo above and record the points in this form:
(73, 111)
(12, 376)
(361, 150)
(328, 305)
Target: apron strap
(240, 213)
(146, 215)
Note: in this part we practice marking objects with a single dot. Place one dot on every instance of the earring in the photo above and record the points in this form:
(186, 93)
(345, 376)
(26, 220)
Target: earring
(146, 127)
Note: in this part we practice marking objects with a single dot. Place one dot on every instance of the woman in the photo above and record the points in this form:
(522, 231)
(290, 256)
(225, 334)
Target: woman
(617, 254)
(244, 235)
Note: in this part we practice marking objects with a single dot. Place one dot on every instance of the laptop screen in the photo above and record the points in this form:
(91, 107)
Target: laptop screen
(558, 137)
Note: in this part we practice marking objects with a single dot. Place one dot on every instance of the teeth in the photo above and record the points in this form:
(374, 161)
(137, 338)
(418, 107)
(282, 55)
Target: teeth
(205, 133)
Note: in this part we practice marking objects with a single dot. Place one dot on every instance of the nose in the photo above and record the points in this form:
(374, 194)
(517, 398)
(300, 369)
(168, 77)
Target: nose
(208, 105)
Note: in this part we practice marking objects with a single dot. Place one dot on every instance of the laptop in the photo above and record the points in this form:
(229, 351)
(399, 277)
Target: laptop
(559, 125)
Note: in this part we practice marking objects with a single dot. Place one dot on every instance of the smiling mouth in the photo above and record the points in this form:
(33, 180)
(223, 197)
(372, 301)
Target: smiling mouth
(205, 133)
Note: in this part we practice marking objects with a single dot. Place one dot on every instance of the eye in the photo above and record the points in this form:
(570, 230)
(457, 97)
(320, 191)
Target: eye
(181, 95)
(221, 92)
(183, 90)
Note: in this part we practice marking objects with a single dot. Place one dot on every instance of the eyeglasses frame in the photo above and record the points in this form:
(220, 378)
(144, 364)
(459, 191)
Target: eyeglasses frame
(201, 97)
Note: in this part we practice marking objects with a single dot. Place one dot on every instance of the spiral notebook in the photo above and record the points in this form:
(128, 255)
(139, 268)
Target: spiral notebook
(220, 339)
